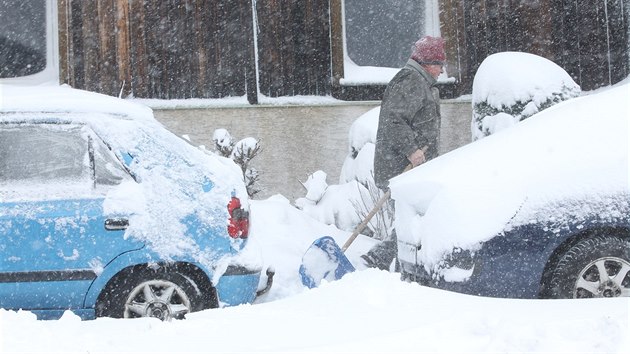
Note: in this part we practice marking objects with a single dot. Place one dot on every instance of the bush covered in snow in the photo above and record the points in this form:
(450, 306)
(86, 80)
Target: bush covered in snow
(345, 205)
(510, 87)
(241, 152)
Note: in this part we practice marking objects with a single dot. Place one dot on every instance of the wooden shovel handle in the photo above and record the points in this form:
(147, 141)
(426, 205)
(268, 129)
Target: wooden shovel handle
(377, 207)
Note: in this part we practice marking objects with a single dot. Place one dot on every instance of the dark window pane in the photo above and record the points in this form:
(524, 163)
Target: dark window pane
(22, 37)
(381, 32)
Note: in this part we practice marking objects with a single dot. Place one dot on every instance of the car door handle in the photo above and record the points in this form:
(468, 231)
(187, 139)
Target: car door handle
(116, 224)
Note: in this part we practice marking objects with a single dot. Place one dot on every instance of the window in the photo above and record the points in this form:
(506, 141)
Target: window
(46, 152)
(40, 154)
(109, 170)
(381, 32)
(22, 38)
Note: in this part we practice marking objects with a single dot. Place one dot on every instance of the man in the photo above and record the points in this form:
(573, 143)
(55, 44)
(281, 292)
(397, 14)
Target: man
(409, 127)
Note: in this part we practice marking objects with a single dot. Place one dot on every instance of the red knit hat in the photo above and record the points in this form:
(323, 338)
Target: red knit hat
(429, 50)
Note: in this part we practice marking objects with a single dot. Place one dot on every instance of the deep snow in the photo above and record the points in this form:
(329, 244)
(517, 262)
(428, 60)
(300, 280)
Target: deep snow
(368, 311)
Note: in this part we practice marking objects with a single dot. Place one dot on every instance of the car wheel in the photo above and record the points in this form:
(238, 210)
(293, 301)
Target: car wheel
(151, 293)
(594, 267)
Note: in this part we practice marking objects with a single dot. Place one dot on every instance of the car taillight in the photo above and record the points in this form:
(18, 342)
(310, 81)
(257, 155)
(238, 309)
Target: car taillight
(238, 223)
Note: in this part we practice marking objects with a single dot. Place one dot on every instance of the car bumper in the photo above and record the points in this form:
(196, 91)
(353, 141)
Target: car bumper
(502, 275)
(239, 285)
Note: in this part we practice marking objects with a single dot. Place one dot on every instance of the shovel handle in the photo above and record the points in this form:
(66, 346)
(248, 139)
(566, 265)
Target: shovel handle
(377, 207)
(363, 224)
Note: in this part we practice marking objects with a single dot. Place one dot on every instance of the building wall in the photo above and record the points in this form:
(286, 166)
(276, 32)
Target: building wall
(195, 48)
(293, 41)
(217, 48)
(588, 38)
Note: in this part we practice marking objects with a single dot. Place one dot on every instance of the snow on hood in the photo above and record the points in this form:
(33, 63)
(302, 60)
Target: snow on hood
(576, 149)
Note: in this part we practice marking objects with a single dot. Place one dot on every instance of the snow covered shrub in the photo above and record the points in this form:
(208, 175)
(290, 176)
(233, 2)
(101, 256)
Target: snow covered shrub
(223, 142)
(383, 221)
(359, 163)
(241, 152)
(332, 204)
(511, 86)
(359, 167)
(345, 205)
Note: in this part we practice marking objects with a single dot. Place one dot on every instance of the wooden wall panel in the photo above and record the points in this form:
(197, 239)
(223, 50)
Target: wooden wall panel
(205, 48)
(294, 47)
(618, 31)
(589, 39)
(159, 49)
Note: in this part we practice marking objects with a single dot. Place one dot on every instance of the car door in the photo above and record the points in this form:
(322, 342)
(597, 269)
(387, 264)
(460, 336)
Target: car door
(54, 236)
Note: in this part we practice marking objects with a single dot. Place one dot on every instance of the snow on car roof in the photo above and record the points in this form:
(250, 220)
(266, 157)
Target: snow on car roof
(51, 98)
(575, 149)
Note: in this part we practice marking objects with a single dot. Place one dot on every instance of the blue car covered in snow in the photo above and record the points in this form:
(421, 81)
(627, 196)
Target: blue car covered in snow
(106, 213)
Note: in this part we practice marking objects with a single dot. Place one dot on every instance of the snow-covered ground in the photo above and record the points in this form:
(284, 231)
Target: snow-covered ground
(369, 311)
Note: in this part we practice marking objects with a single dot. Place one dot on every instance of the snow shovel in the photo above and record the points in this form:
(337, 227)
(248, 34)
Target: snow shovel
(324, 259)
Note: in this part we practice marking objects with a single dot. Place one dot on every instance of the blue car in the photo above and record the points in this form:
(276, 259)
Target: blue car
(539, 210)
(106, 213)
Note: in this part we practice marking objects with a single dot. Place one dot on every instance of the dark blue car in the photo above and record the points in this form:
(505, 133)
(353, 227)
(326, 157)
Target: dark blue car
(541, 210)
(106, 213)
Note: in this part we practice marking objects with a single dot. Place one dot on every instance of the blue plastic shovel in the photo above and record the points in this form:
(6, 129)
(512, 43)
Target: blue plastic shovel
(324, 259)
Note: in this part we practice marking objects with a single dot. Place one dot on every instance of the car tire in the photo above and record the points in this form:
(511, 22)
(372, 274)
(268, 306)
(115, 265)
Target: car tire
(598, 266)
(146, 292)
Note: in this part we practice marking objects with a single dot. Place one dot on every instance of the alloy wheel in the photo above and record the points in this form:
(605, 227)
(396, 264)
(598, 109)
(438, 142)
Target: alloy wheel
(157, 298)
(604, 277)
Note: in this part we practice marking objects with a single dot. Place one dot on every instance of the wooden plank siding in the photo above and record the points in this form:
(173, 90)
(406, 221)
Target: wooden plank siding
(158, 49)
(589, 39)
(205, 48)
(195, 48)
(294, 47)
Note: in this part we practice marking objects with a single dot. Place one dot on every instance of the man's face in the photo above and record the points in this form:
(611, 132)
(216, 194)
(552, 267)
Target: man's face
(434, 70)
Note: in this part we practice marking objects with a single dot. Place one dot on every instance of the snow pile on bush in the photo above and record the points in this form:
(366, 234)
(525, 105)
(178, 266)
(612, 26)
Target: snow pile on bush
(241, 152)
(510, 87)
(334, 204)
(345, 205)
(359, 164)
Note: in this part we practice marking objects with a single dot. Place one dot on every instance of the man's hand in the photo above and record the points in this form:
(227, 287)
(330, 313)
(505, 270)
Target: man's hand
(417, 157)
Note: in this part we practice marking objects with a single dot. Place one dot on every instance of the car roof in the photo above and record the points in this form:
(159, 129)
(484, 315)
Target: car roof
(65, 101)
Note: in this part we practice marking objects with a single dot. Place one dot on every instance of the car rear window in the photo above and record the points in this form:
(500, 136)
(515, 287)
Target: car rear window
(41, 153)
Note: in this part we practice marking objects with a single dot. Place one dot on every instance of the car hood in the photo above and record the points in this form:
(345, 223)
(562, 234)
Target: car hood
(575, 152)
